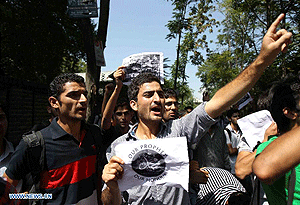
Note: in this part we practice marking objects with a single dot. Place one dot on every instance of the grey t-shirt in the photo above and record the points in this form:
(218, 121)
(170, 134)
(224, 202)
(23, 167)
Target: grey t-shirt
(193, 126)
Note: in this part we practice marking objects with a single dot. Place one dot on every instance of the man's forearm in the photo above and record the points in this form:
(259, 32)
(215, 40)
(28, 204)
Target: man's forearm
(109, 108)
(243, 165)
(235, 90)
(110, 197)
(278, 157)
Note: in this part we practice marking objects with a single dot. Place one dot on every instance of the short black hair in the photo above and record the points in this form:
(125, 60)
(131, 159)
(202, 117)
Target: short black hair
(284, 93)
(231, 112)
(56, 86)
(263, 102)
(138, 81)
(239, 198)
(122, 103)
(169, 92)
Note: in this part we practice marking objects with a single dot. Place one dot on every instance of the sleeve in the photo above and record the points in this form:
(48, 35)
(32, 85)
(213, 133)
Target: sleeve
(243, 146)
(18, 166)
(226, 157)
(196, 124)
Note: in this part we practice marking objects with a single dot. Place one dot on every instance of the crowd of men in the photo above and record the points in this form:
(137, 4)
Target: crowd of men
(78, 163)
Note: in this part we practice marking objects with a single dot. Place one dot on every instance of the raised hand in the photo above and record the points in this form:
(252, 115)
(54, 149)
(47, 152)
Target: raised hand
(273, 42)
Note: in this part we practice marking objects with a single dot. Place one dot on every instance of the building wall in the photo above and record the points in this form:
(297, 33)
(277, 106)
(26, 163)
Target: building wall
(26, 103)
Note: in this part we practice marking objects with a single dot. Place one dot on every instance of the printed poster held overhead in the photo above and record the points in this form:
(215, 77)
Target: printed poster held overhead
(151, 162)
(253, 126)
(144, 62)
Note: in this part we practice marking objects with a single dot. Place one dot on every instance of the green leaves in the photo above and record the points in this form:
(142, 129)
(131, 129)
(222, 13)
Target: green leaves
(38, 40)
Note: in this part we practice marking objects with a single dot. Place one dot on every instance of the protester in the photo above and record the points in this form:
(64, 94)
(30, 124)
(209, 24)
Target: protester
(233, 135)
(171, 105)
(147, 99)
(120, 111)
(211, 151)
(71, 146)
(246, 155)
(117, 113)
(6, 147)
(284, 108)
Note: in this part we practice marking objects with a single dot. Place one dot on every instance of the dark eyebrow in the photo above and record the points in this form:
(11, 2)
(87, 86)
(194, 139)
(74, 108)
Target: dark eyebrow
(75, 92)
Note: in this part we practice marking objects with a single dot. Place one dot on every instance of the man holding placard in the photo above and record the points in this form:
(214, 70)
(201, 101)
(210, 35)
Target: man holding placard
(147, 100)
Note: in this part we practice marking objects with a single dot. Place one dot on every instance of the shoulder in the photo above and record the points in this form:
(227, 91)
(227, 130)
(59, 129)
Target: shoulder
(110, 152)
(122, 138)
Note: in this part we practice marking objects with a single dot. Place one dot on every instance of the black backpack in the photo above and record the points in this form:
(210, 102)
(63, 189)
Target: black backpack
(35, 158)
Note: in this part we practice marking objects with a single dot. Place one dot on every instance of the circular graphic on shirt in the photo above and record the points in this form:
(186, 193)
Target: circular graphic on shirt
(148, 163)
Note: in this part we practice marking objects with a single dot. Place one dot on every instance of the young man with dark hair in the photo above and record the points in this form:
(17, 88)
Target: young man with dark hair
(233, 135)
(71, 146)
(171, 105)
(276, 157)
(147, 100)
(116, 109)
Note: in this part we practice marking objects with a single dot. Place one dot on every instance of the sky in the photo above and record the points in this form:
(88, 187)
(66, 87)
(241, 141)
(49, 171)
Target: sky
(138, 26)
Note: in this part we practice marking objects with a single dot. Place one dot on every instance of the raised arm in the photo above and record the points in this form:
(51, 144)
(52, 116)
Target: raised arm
(273, 43)
(107, 91)
(119, 75)
(278, 157)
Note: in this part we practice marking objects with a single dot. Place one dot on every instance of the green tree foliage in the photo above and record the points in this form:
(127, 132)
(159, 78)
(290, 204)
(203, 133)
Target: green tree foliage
(38, 40)
(239, 42)
(217, 71)
(190, 21)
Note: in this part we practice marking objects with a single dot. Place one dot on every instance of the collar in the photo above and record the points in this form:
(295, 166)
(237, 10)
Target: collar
(57, 131)
(232, 130)
(132, 136)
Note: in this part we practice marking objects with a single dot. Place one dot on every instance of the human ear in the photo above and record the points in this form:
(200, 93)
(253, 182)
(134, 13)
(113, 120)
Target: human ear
(53, 102)
(289, 113)
(133, 105)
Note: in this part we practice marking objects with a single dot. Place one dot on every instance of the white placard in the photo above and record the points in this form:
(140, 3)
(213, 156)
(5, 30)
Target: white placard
(156, 161)
(253, 126)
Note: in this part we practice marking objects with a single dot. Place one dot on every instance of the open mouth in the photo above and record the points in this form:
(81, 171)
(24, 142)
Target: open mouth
(82, 109)
(156, 110)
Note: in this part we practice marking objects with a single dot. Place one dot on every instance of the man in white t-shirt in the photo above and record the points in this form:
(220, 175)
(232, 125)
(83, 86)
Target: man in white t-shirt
(233, 135)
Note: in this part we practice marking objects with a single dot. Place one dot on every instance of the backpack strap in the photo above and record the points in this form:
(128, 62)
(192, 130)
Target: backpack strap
(35, 156)
(229, 133)
(292, 182)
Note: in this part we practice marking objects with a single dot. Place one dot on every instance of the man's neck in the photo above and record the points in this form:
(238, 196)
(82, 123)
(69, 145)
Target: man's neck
(147, 130)
(71, 127)
(235, 127)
